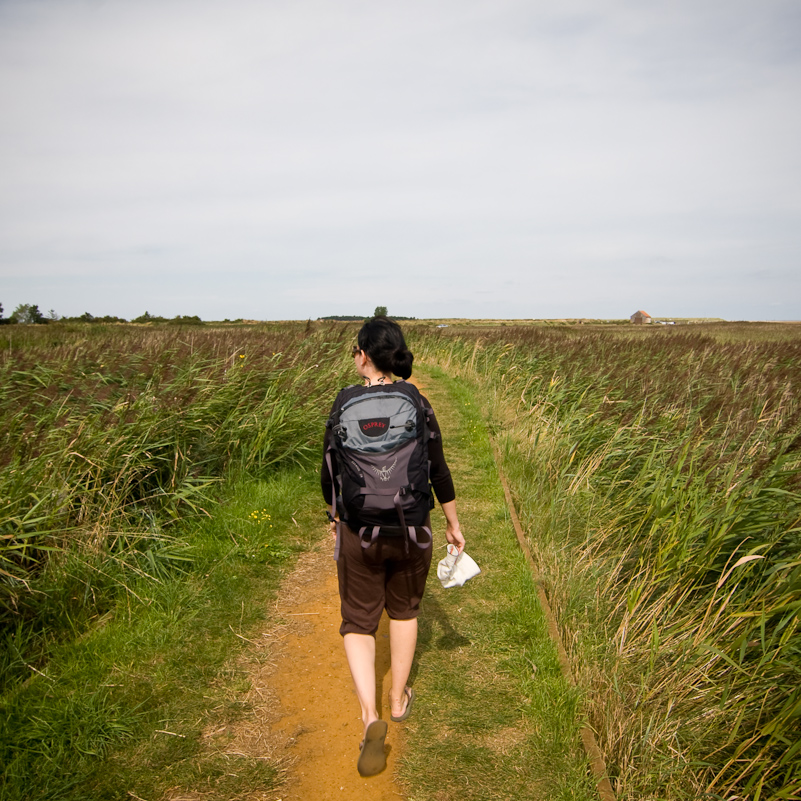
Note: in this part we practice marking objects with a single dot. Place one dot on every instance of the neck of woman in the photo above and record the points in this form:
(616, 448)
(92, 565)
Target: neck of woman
(376, 378)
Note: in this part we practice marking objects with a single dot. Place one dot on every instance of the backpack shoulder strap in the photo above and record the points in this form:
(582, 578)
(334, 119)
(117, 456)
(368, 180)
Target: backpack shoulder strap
(413, 392)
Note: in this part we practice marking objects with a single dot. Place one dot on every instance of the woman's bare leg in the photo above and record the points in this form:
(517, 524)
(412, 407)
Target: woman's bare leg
(360, 650)
(402, 644)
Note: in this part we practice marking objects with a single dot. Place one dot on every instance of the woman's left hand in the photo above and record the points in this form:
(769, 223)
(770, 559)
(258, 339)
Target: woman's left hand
(455, 536)
(453, 531)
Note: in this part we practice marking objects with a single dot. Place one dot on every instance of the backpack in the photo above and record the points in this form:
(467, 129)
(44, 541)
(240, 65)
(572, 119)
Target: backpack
(380, 435)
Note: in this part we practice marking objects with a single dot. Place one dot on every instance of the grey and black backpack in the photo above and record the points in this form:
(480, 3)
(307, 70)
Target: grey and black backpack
(379, 437)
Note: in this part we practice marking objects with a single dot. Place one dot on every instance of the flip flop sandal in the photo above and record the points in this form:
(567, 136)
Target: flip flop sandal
(409, 701)
(372, 759)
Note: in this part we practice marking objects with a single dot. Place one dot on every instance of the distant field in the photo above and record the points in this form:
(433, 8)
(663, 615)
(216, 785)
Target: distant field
(715, 327)
(718, 329)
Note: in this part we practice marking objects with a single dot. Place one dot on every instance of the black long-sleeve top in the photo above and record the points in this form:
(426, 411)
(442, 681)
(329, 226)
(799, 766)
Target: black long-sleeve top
(440, 474)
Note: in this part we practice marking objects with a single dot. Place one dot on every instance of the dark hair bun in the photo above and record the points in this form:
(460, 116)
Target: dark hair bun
(402, 361)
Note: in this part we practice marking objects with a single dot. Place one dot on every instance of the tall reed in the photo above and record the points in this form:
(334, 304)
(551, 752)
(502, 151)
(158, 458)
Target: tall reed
(109, 433)
(658, 474)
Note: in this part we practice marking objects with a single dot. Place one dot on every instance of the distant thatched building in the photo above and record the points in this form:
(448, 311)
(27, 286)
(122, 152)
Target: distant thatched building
(640, 317)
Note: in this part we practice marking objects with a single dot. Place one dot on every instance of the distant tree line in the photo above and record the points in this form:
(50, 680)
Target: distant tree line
(29, 314)
(179, 319)
(380, 311)
(24, 313)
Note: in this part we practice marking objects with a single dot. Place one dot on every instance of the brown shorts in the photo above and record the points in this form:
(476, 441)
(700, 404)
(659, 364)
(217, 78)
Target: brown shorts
(377, 578)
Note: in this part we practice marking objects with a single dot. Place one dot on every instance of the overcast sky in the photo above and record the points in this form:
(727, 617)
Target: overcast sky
(462, 158)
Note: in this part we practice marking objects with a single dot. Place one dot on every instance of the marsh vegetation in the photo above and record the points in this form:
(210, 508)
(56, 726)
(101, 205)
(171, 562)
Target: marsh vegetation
(658, 472)
(152, 478)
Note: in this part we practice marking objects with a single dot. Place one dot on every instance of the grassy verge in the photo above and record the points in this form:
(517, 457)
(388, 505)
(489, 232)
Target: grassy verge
(657, 478)
(112, 436)
(139, 706)
(494, 719)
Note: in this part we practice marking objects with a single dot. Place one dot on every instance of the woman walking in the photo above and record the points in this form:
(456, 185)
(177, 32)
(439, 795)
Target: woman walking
(383, 554)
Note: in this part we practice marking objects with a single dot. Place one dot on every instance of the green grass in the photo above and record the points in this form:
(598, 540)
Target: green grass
(495, 718)
(144, 638)
(657, 477)
(92, 724)
(656, 473)
(111, 435)
(149, 477)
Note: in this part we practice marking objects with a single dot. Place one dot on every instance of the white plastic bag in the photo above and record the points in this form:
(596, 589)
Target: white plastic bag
(456, 568)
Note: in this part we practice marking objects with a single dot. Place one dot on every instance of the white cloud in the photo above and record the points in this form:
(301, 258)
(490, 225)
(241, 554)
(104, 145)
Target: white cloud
(563, 149)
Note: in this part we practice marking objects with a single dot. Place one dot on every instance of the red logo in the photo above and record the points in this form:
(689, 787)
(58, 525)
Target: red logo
(375, 427)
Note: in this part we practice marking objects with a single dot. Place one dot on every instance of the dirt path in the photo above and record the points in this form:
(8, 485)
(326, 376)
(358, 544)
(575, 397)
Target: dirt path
(305, 710)
(305, 713)
(318, 713)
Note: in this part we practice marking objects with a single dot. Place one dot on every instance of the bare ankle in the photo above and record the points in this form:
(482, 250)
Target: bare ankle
(396, 701)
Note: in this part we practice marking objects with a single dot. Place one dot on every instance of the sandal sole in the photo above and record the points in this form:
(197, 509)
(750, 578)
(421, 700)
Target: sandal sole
(372, 759)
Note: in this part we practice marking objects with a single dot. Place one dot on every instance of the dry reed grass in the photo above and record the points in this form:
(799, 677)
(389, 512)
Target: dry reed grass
(658, 477)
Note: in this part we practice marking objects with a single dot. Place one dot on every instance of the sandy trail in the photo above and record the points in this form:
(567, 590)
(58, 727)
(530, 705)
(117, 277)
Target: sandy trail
(306, 710)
